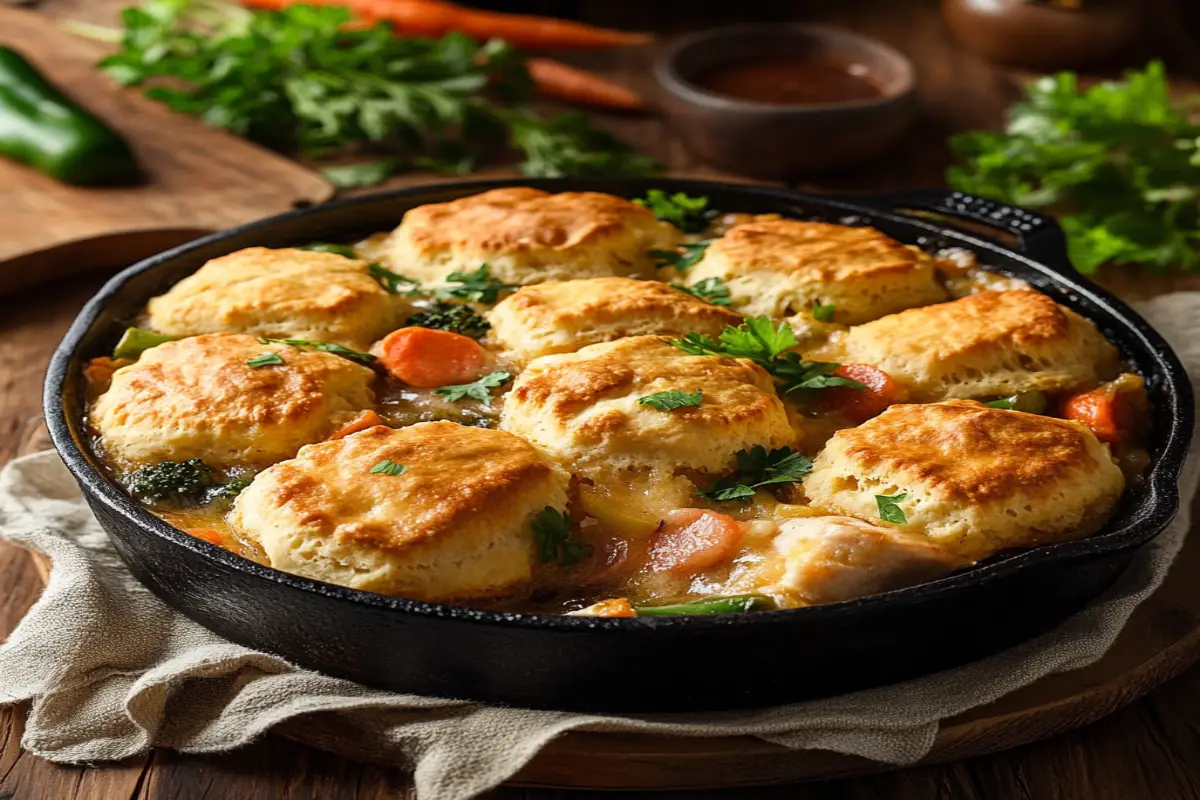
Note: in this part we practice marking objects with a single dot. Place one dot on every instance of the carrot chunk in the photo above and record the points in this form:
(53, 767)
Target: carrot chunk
(366, 419)
(429, 358)
(208, 535)
(862, 404)
(693, 540)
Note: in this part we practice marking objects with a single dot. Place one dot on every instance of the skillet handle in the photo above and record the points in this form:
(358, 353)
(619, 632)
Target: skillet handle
(1040, 237)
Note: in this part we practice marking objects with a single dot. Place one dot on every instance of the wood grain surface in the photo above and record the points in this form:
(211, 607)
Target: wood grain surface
(1149, 748)
(199, 179)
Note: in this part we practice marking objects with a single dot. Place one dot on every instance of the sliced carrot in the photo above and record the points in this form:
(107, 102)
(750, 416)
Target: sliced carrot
(862, 404)
(1115, 411)
(617, 607)
(429, 358)
(436, 18)
(99, 372)
(366, 419)
(693, 540)
(574, 85)
(207, 534)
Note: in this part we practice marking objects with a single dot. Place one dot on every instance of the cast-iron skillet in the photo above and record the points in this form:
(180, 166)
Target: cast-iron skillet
(635, 664)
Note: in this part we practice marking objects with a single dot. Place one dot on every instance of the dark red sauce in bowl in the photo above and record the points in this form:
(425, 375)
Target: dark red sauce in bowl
(791, 80)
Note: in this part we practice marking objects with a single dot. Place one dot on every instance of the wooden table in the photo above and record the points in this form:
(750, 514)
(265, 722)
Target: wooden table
(1150, 749)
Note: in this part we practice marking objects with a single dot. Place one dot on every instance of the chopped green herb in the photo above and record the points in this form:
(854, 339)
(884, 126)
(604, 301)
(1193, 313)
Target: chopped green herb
(1119, 160)
(889, 507)
(730, 604)
(712, 290)
(683, 259)
(388, 467)
(480, 390)
(672, 399)
(136, 341)
(474, 287)
(552, 533)
(765, 343)
(344, 250)
(689, 214)
(363, 174)
(325, 347)
(757, 468)
(267, 359)
(394, 282)
(822, 312)
(454, 318)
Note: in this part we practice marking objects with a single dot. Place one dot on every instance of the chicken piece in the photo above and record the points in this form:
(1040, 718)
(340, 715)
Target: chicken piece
(829, 559)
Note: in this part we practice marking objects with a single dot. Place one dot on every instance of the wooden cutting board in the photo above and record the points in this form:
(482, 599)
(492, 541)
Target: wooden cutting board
(199, 179)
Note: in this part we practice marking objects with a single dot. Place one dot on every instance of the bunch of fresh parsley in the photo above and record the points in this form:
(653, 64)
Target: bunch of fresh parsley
(299, 78)
(767, 345)
(1119, 161)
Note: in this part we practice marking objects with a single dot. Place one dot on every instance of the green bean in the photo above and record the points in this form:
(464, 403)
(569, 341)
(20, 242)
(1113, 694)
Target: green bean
(136, 341)
(731, 604)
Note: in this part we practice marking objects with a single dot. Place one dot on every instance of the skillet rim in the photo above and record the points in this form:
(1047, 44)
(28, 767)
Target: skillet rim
(1156, 508)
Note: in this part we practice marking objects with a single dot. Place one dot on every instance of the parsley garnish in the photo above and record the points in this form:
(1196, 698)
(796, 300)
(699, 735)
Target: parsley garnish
(689, 214)
(1120, 159)
(712, 290)
(394, 282)
(756, 468)
(765, 343)
(474, 287)
(264, 360)
(344, 250)
(453, 318)
(303, 77)
(552, 532)
(479, 390)
(686, 257)
(672, 399)
(889, 507)
(325, 347)
(364, 173)
(822, 312)
(388, 467)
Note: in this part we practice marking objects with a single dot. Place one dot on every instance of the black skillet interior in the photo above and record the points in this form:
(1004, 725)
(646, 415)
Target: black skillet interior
(645, 664)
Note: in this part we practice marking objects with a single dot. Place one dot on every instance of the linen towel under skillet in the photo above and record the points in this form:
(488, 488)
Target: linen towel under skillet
(112, 671)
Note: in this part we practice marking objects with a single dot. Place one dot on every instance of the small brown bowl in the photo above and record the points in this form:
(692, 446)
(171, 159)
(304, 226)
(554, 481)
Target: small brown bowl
(766, 140)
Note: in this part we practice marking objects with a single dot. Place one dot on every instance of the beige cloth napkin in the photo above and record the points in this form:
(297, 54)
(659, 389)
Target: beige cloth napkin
(112, 671)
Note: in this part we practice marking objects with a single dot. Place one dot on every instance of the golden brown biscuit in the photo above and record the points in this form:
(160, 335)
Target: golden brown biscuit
(281, 294)
(976, 480)
(583, 409)
(781, 267)
(563, 316)
(455, 524)
(529, 236)
(988, 344)
(198, 398)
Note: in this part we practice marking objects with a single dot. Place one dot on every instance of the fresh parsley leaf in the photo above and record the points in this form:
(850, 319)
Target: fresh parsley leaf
(1120, 161)
(889, 507)
(454, 318)
(712, 290)
(325, 347)
(363, 174)
(766, 344)
(758, 467)
(689, 214)
(552, 533)
(686, 257)
(672, 399)
(302, 77)
(344, 250)
(394, 282)
(474, 287)
(569, 145)
(388, 467)
(267, 359)
(822, 312)
(479, 390)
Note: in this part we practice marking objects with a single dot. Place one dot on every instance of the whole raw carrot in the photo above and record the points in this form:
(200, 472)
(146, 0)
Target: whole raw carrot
(437, 18)
(575, 85)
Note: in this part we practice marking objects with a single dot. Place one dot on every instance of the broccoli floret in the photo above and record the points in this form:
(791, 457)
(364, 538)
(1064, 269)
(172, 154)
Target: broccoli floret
(227, 491)
(453, 318)
(171, 480)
